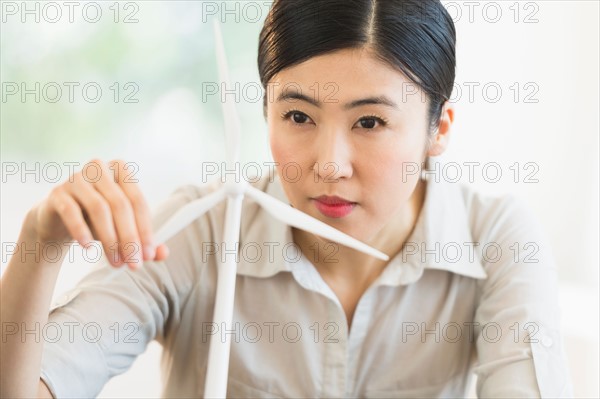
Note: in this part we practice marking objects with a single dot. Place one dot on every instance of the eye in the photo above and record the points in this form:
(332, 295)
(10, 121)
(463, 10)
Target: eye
(298, 118)
(371, 120)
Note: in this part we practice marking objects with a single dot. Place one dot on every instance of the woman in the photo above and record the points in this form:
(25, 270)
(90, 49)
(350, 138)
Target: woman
(356, 99)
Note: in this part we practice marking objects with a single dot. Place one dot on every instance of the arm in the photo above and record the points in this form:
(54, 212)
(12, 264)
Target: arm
(519, 345)
(108, 210)
(43, 391)
(26, 291)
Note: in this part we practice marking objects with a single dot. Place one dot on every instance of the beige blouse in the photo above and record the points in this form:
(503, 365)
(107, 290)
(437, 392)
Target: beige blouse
(473, 291)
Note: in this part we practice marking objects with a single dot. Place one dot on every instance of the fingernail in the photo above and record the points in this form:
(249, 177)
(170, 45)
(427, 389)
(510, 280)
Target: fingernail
(149, 252)
(116, 259)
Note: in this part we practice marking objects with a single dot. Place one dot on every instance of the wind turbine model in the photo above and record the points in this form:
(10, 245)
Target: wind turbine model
(234, 191)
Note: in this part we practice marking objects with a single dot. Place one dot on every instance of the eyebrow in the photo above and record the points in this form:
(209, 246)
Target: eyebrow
(377, 100)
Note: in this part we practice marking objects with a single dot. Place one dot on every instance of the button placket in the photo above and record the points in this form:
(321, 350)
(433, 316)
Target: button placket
(336, 365)
(334, 353)
(358, 332)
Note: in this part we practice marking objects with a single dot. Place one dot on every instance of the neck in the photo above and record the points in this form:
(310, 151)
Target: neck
(341, 263)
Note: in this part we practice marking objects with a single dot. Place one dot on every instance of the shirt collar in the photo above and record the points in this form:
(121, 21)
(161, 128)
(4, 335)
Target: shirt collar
(440, 240)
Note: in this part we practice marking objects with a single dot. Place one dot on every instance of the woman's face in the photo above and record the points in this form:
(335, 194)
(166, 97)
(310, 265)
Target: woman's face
(362, 151)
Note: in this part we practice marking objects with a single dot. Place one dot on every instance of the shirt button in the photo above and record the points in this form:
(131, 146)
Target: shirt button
(547, 341)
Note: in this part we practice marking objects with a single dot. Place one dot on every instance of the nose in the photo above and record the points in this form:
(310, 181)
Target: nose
(334, 151)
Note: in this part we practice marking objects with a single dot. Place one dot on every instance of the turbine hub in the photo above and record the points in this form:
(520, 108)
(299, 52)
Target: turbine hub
(235, 185)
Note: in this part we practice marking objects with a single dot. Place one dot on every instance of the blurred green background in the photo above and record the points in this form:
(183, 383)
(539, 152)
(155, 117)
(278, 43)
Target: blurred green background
(153, 63)
(158, 56)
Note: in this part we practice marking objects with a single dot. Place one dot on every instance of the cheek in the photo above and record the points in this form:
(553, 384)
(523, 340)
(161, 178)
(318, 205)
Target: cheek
(282, 152)
(278, 143)
(286, 157)
(395, 174)
(287, 149)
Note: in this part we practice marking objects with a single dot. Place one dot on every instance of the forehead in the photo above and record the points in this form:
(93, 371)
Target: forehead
(344, 76)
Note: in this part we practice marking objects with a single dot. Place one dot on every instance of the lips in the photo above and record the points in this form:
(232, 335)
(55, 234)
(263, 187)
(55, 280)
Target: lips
(334, 206)
(333, 200)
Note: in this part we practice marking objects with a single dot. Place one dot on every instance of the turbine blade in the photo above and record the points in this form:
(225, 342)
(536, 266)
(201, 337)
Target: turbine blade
(301, 220)
(187, 214)
(230, 116)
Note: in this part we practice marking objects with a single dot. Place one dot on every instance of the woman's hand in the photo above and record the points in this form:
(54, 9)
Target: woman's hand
(99, 203)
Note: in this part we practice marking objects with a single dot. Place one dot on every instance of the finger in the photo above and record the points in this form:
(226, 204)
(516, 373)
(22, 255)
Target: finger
(124, 219)
(72, 217)
(162, 252)
(140, 206)
(98, 212)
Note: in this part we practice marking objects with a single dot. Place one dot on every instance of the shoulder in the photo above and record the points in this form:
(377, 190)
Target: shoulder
(497, 217)
(510, 237)
(503, 226)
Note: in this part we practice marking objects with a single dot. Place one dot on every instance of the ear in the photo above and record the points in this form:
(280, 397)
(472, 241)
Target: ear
(439, 142)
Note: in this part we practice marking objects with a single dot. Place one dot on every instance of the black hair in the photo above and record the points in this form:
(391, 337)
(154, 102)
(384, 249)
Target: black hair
(416, 37)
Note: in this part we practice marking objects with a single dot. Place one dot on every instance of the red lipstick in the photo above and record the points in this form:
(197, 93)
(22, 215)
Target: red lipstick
(333, 206)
